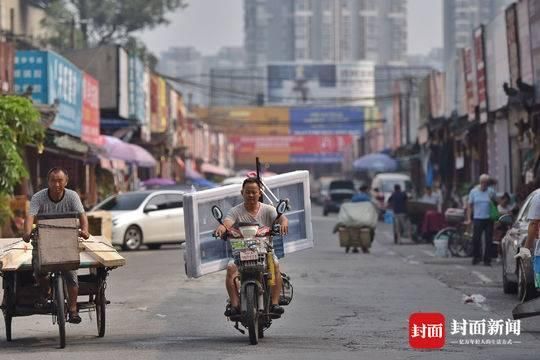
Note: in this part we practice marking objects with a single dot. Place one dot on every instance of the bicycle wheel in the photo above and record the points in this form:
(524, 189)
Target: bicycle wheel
(9, 303)
(101, 303)
(60, 307)
(455, 243)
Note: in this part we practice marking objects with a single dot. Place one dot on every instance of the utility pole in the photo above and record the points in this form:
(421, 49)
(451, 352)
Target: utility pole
(72, 34)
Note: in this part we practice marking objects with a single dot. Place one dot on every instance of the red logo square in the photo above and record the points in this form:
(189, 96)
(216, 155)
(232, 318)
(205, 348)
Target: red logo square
(427, 330)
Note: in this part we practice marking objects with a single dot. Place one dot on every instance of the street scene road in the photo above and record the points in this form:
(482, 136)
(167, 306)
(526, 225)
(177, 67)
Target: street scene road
(345, 306)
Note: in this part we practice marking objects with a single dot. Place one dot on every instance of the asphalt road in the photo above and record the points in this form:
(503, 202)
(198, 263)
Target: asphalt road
(346, 306)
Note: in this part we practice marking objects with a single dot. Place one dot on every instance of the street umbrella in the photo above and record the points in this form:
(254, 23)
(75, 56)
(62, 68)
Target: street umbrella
(158, 182)
(375, 162)
(203, 183)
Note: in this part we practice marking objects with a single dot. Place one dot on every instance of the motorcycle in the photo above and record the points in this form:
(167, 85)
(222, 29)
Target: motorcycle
(253, 252)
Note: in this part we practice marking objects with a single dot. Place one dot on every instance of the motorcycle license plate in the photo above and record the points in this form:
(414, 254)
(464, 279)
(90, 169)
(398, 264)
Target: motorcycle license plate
(249, 255)
(238, 245)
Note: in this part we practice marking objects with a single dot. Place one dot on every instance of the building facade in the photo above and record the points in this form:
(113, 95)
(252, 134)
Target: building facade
(461, 17)
(326, 30)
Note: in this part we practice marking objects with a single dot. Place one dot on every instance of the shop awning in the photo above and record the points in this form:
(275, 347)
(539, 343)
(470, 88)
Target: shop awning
(116, 149)
(213, 169)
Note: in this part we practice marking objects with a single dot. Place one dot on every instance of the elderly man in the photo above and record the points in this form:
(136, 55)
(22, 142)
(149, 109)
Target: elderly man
(54, 200)
(478, 212)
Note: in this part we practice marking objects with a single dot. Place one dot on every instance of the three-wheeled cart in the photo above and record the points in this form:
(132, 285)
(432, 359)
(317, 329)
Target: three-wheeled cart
(356, 225)
(21, 294)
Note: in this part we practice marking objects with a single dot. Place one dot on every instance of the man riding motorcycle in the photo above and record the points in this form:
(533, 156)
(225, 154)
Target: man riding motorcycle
(251, 210)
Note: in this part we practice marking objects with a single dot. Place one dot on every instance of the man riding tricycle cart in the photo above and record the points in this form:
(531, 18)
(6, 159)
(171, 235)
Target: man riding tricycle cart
(36, 276)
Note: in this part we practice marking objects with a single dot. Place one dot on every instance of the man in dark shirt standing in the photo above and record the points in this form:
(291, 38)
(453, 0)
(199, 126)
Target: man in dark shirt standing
(398, 203)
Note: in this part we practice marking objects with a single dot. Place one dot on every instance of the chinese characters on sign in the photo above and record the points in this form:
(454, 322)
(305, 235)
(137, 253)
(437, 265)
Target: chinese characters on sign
(427, 331)
(482, 327)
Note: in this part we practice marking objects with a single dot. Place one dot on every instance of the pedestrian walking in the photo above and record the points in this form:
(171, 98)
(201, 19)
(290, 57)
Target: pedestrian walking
(398, 203)
(481, 200)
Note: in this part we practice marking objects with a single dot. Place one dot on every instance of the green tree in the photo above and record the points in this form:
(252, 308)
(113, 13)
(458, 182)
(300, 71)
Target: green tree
(137, 48)
(110, 21)
(19, 126)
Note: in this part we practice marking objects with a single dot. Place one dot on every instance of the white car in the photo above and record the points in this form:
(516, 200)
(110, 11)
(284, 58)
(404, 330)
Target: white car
(385, 183)
(152, 218)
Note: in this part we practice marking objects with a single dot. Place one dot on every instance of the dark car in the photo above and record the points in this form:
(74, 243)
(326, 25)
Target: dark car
(518, 274)
(339, 191)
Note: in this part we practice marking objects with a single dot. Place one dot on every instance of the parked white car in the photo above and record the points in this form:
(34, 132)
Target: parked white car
(385, 183)
(152, 218)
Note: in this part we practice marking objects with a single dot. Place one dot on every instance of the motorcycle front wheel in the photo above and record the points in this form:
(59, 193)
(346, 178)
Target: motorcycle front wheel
(252, 318)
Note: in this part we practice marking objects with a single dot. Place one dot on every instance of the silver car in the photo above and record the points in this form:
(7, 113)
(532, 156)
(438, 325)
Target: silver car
(152, 218)
(518, 274)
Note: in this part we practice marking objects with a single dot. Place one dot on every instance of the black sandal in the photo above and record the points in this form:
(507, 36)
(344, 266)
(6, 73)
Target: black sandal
(74, 318)
(231, 311)
(276, 309)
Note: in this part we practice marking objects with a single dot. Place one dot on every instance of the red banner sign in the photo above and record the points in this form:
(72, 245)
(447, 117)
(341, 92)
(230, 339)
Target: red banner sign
(90, 112)
(309, 144)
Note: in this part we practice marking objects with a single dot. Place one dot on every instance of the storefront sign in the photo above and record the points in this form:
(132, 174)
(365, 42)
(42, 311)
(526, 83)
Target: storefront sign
(496, 59)
(469, 82)
(91, 117)
(534, 22)
(320, 121)
(285, 149)
(66, 142)
(512, 43)
(481, 80)
(52, 78)
(524, 41)
(136, 90)
(7, 56)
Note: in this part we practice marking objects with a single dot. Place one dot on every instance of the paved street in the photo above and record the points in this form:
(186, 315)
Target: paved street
(346, 306)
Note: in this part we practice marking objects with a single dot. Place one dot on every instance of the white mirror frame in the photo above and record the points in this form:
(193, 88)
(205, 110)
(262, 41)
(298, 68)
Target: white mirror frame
(194, 267)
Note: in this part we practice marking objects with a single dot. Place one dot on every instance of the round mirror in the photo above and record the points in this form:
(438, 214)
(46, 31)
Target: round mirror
(281, 207)
(216, 212)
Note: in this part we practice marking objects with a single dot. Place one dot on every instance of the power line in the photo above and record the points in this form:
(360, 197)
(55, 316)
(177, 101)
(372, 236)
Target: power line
(253, 97)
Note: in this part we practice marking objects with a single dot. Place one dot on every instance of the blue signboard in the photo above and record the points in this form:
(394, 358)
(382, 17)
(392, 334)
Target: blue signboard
(137, 108)
(347, 120)
(52, 78)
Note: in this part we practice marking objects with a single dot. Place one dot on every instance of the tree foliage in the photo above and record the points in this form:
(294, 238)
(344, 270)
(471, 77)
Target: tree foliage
(102, 22)
(19, 126)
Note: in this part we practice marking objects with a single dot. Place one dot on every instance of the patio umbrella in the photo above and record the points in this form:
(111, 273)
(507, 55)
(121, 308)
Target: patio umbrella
(120, 150)
(375, 162)
(203, 183)
(142, 157)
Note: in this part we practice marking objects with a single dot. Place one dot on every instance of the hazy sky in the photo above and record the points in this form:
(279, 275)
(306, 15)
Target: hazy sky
(211, 24)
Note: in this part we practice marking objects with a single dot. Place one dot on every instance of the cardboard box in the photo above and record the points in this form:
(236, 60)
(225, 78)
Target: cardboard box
(58, 244)
(100, 224)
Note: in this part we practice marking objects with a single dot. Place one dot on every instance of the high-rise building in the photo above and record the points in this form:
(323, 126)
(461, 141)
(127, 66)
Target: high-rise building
(326, 30)
(461, 17)
(194, 71)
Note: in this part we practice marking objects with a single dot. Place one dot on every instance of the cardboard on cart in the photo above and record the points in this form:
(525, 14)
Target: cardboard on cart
(58, 244)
